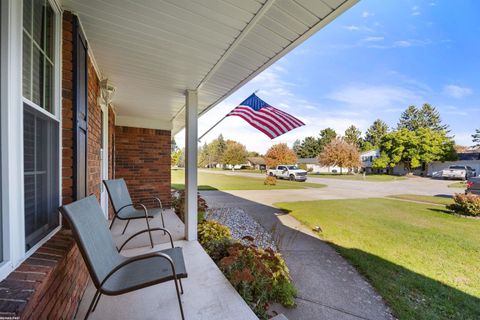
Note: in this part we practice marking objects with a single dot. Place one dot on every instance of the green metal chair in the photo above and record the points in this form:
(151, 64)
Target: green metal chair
(125, 209)
(112, 273)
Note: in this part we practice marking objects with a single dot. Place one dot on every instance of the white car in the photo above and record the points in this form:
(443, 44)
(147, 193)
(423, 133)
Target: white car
(290, 172)
(458, 172)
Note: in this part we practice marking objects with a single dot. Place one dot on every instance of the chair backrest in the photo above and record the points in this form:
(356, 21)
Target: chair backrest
(118, 193)
(90, 230)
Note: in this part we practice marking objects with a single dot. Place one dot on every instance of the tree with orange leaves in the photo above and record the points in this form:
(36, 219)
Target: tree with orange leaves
(340, 153)
(280, 154)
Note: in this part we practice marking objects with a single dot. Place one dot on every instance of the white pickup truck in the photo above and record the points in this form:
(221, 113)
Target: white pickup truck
(458, 172)
(290, 172)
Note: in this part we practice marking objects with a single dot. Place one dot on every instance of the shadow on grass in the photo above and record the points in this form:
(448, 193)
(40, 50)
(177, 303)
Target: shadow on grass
(317, 272)
(445, 211)
(446, 196)
(181, 186)
(412, 295)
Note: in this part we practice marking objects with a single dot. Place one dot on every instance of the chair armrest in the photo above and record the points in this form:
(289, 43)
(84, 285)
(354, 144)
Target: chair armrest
(139, 258)
(159, 202)
(146, 230)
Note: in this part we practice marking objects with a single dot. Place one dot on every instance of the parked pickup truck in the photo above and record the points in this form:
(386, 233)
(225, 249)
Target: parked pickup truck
(289, 172)
(458, 172)
(473, 186)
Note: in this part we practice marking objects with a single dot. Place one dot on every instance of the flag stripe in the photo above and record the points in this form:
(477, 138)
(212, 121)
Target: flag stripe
(295, 120)
(244, 117)
(258, 122)
(286, 126)
(274, 126)
(286, 119)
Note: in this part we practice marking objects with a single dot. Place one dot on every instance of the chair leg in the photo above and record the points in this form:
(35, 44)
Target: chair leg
(149, 232)
(91, 305)
(96, 303)
(113, 220)
(124, 229)
(181, 286)
(179, 300)
(163, 221)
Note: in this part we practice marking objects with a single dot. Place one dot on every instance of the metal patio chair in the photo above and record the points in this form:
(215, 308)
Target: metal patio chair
(125, 209)
(112, 273)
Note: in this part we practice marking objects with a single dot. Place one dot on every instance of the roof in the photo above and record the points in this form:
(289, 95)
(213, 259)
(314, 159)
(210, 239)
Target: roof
(469, 156)
(153, 51)
(256, 160)
(307, 161)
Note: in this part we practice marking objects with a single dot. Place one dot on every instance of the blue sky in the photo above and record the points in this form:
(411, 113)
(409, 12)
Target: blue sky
(372, 62)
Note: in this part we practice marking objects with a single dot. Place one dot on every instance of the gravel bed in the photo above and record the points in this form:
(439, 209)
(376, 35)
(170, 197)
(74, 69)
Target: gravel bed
(242, 224)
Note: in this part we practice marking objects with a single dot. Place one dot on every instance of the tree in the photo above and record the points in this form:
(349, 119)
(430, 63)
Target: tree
(174, 145)
(309, 148)
(376, 132)
(176, 157)
(412, 148)
(414, 118)
(203, 156)
(326, 136)
(297, 146)
(235, 153)
(476, 138)
(340, 153)
(353, 136)
(216, 149)
(280, 154)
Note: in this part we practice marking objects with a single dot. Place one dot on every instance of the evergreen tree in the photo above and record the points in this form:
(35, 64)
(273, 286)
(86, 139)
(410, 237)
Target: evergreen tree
(326, 136)
(309, 148)
(296, 147)
(414, 118)
(353, 136)
(375, 133)
(476, 138)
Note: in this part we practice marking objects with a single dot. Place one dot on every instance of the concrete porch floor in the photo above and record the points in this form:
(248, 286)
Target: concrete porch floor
(207, 293)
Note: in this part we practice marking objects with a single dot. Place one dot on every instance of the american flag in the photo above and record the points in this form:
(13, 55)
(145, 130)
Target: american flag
(262, 116)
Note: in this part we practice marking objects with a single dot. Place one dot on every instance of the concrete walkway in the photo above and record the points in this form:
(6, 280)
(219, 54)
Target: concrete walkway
(329, 287)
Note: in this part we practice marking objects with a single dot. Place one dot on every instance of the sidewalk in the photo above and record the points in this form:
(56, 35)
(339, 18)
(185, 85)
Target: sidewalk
(328, 287)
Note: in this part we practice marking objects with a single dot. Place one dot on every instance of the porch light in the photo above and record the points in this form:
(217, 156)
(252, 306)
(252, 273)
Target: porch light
(107, 91)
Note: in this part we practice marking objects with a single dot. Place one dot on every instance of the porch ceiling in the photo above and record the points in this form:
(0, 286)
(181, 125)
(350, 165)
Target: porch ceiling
(154, 50)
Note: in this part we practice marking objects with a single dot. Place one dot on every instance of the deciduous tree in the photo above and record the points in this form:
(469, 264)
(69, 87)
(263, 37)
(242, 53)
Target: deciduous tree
(235, 153)
(280, 154)
(340, 153)
(412, 148)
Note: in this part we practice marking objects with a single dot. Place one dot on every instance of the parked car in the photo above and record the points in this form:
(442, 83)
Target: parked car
(473, 186)
(290, 172)
(458, 172)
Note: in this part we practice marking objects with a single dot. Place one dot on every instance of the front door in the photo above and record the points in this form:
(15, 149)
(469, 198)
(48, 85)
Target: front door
(80, 112)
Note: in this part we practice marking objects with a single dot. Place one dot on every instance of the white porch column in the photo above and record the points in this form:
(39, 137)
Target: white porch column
(191, 146)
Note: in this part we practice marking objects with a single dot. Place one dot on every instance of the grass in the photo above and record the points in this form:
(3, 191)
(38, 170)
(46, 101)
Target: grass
(220, 181)
(428, 199)
(359, 177)
(424, 262)
(459, 185)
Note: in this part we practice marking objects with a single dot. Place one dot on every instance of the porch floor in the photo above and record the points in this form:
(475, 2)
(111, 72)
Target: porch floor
(208, 294)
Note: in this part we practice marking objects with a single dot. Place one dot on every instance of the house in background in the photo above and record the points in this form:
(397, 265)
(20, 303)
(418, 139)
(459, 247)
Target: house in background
(312, 165)
(257, 163)
(471, 159)
(367, 158)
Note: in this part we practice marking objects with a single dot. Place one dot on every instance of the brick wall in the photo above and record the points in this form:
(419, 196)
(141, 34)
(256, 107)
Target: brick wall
(94, 133)
(142, 158)
(48, 285)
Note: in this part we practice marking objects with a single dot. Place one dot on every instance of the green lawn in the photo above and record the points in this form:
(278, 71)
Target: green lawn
(459, 185)
(220, 181)
(359, 177)
(424, 262)
(429, 199)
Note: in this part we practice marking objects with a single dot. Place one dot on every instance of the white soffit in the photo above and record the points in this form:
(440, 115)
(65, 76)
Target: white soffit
(154, 50)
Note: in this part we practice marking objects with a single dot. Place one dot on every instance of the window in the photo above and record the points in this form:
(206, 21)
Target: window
(40, 175)
(38, 53)
(40, 128)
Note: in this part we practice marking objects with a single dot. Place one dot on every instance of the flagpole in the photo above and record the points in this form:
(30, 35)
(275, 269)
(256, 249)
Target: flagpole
(203, 135)
(218, 122)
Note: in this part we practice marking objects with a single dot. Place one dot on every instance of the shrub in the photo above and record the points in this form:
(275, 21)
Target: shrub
(465, 204)
(218, 249)
(178, 204)
(260, 277)
(211, 230)
(270, 181)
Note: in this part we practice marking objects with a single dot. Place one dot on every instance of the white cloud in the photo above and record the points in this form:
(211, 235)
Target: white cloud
(352, 28)
(384, 98)
(463, 138)
(403, 44)
(366, 14)
(415, 11)
(373, 39)
(455, 91)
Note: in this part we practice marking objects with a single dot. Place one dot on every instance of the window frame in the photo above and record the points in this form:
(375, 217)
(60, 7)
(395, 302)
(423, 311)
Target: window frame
(12, 102)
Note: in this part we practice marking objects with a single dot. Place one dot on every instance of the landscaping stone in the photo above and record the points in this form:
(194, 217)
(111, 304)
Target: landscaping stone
(242, 225)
